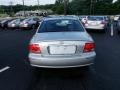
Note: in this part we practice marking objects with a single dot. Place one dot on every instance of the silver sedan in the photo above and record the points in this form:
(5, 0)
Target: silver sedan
(61, 42)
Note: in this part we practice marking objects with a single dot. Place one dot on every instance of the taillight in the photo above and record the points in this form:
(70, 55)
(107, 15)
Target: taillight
(26, 22)
(103, 22)
(89, 47)
(34, 48)
(86, 22)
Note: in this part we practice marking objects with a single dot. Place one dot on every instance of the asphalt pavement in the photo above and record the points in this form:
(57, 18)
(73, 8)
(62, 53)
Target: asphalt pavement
(103, 75)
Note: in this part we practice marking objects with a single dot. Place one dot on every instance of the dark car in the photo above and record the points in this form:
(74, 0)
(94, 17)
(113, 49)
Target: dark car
(4, 23)
(1, 22)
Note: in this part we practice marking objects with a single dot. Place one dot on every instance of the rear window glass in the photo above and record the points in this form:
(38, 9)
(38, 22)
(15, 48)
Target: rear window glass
(22, 19)
(60, 26)
(14, 21)
(27, 19)
(95, 18)
(3, 21)
(82, 17)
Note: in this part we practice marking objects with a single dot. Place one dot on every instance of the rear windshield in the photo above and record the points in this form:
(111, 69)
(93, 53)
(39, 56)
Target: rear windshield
(14, 21)
(22, 20)
(28, 19)
(82, 17)
(17, 20)
(60, 26)
(95, 18)
(3, 21)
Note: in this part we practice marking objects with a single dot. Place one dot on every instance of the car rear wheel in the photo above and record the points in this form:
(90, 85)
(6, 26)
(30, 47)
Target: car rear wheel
(118, 32)
(33, 27)
(104, 30)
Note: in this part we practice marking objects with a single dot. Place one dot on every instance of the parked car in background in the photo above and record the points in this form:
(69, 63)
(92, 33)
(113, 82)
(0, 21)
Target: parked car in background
(1, 22)
(30, 23)
(15, 24)
(118, 26)
(96, 23)
(4, 23)
(61, 42)
(116, 18)
(83, 19)
(72, 16)
(106, 19)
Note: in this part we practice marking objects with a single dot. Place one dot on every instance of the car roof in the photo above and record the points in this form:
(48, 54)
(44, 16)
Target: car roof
(60, 17)
(96, 16)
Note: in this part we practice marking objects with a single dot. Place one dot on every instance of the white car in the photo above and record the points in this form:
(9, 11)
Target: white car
(83, 19)
(61, 42)
(95, 22)
(29, 23)
(116, 17)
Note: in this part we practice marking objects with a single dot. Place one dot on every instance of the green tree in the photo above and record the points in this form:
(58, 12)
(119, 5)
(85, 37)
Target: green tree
(90, 6)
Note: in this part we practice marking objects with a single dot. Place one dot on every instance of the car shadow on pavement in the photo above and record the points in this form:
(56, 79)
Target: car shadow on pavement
(72, 79)
(67, 73)
(52, 79)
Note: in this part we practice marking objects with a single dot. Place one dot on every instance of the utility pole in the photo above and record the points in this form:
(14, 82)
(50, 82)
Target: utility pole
(11, 8)
(23, 6)
(38, 4)
(91, 7)
(65, 6)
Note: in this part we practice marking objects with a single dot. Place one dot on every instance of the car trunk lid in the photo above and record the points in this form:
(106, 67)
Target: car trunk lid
(62, 43)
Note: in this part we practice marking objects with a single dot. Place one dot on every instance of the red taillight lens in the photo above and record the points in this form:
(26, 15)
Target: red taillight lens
(89, 47)
(34, 48)
(26, 22)
(103, 22)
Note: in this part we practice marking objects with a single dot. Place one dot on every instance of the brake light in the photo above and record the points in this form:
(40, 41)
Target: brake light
(89, 47)
(26, 22)
(86, 22)
(34, 48)
(103, 22)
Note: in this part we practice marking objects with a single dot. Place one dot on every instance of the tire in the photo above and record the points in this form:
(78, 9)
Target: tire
(87, 68)
(118, 31)
(104, 30)
(33, 27)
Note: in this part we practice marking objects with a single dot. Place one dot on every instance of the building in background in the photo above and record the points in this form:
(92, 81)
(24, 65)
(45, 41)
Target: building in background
(35, 13)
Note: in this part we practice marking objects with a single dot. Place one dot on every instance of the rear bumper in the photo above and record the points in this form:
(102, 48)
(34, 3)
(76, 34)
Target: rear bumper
(100, 27)
(25, 26)
(11, 27)
(62, 62)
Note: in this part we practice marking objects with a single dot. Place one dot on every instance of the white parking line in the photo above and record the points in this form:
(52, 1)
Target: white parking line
(4, 69)
(112, 34)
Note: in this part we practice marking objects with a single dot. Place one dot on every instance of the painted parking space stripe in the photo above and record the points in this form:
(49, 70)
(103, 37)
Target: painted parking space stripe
(4, 69)
(112, 33)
